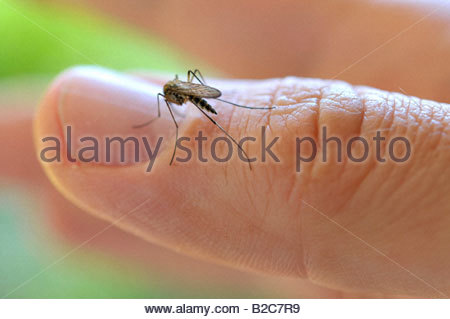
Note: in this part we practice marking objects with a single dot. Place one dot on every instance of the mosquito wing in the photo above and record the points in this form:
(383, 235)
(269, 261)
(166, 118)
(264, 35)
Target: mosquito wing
(199, 90)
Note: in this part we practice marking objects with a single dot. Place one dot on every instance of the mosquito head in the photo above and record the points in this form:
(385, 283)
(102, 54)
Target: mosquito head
(171, 95)
(168, 88)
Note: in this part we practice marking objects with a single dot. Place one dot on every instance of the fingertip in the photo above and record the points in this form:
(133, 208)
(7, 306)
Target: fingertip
(94, 103)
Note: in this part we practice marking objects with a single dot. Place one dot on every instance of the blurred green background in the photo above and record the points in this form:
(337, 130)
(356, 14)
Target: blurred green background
(45, 39)
(37, 41)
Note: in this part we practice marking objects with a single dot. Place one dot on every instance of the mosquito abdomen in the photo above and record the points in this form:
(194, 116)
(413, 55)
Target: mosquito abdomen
(202, 103)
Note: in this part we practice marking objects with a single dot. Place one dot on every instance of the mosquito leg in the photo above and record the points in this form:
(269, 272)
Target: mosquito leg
(226, 133)
(247, 107)
(176, 132)
(200, 75)
(159, 114)
(193, 74)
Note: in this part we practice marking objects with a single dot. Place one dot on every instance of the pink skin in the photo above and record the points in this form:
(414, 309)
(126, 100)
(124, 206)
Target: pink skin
(363, 229)
(305, 224)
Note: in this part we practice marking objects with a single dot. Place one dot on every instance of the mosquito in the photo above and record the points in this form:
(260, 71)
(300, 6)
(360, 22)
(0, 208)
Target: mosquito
(179, 92)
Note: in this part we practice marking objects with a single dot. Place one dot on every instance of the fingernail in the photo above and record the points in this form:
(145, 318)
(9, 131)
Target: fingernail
(98, 108)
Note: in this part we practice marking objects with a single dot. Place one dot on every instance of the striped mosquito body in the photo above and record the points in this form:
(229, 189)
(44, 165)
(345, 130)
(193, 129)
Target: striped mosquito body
(180, 92)
(202, 103)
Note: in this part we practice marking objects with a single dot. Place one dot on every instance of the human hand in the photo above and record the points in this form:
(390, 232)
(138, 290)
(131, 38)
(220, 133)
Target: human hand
(334, 252)
(366, 227)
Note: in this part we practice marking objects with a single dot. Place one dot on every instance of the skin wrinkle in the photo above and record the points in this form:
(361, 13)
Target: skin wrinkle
(444, 126)
(395, 126)
(410, 108)
(266, 117)
(306, 178)
(236, 173)
(392, 116)
(267, 120)
(289, 109)
(369, 170)
(415, 176)
(335, 103)
(227, 128)
(432, 126)
(298, 259)
(274, 99)
(370, 165)
(302, 179)
(419, 108)
(245, 176)
(345, 159)
(420, 135)
(412, 137)
(377, 121)
(303, 261)
(363, 112)
(231, 116)
(392, 113)
(429, 112)
(300, 267)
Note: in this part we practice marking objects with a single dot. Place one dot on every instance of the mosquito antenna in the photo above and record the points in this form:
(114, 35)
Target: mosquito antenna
(247, 107)
(226, 133)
